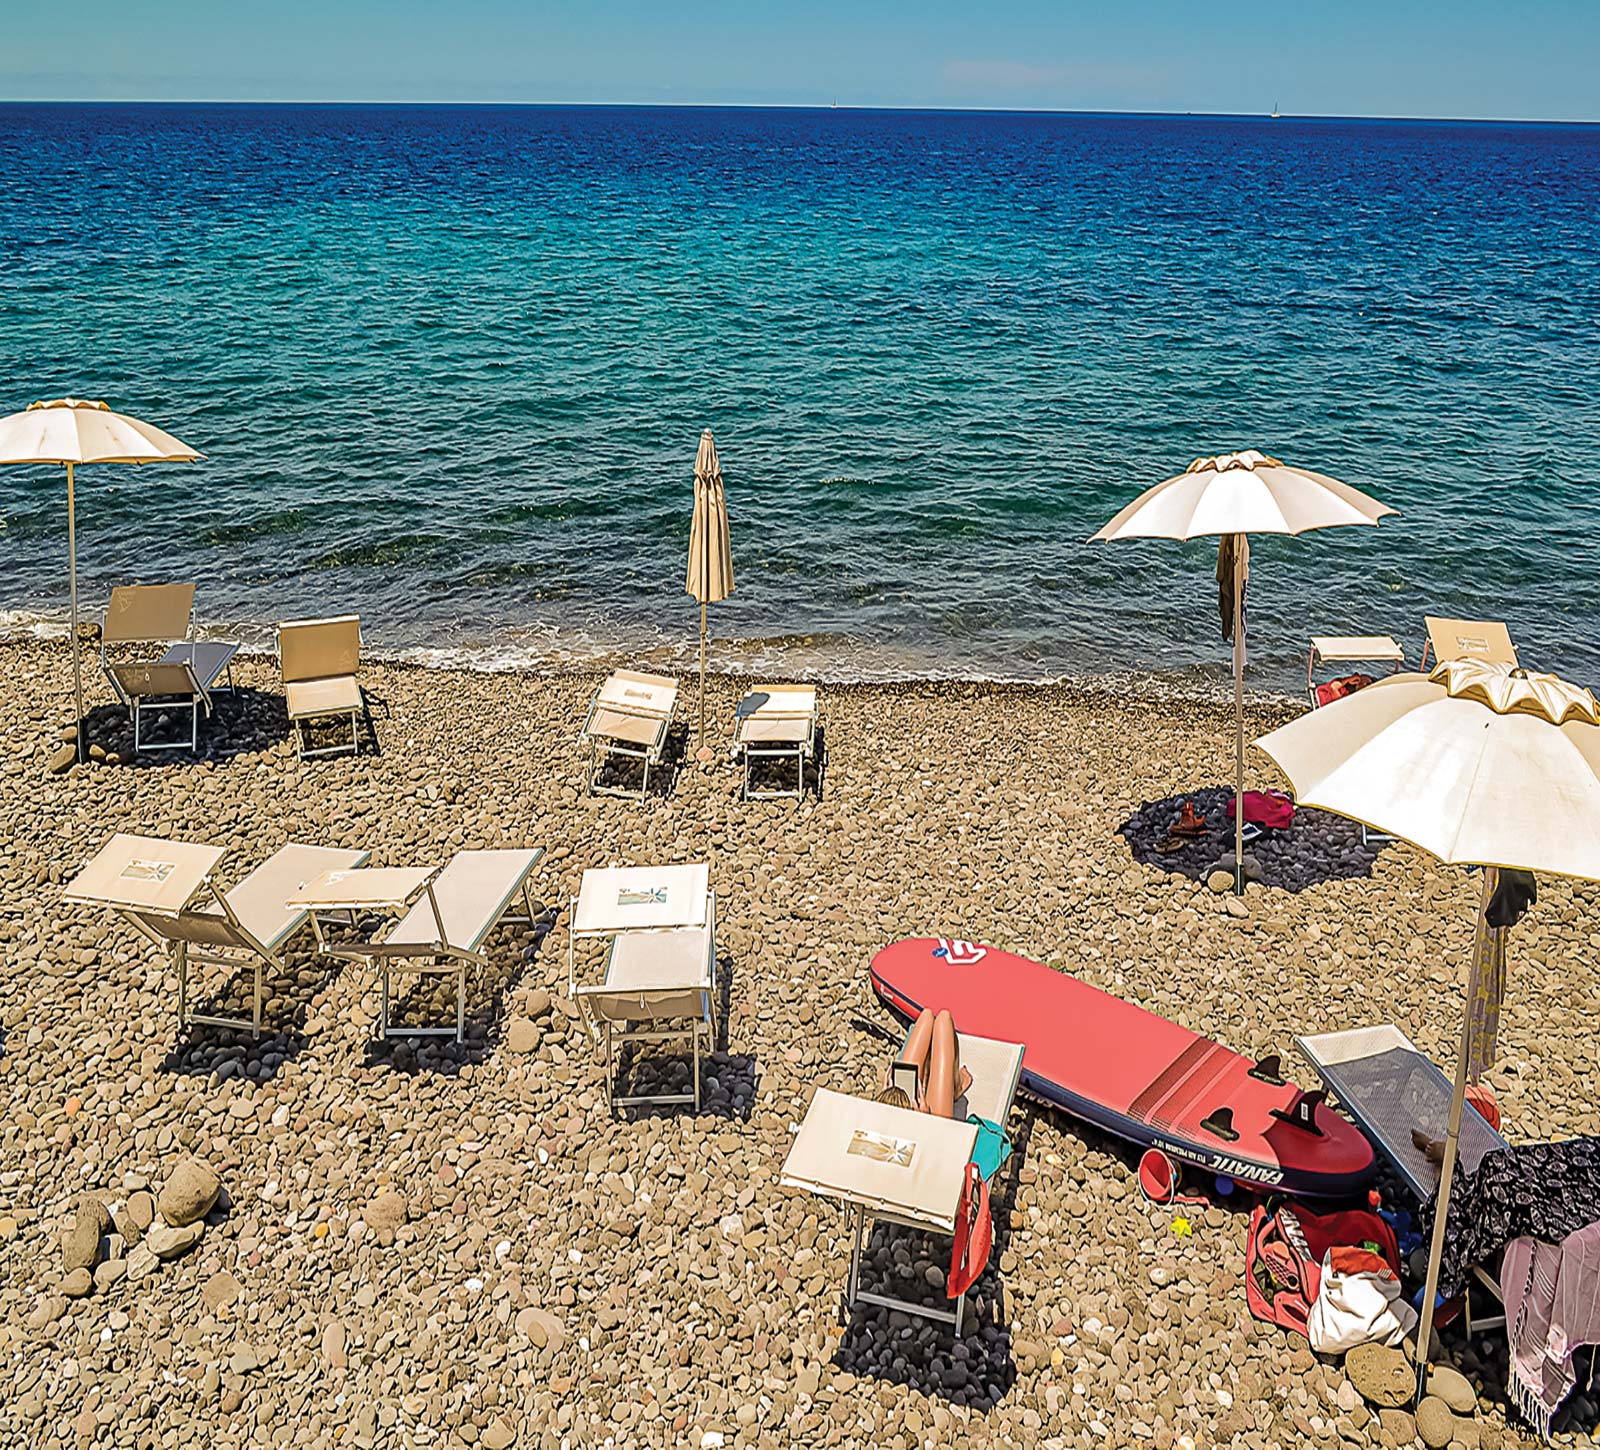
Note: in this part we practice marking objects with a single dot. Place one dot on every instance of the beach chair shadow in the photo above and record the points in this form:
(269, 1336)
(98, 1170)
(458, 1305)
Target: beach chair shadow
(976, 1368)
(1316, 847)
(432, 998)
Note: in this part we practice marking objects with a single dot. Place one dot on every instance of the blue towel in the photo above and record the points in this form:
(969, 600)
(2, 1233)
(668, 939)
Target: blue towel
(992, 1148)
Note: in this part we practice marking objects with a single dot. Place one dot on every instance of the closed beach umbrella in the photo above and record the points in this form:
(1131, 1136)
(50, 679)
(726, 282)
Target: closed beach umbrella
(710, 574)
(1478, 764)
(1231, 496)
(71, 431)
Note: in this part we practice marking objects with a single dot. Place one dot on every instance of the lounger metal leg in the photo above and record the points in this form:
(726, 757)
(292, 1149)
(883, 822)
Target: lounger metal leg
(461, 1003)
(611, 1073)
(383, 1004)
(856, 1223)
(180, 952)
(696, 1036)
(255, 1016)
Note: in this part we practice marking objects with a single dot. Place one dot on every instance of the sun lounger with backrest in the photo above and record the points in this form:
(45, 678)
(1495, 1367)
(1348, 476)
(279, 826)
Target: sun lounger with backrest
(776, 722)
(661, 970)
(155, 884)
(1487, 640)
(1389, 1090)
(448, 915)
(1348, 649)
(630, 717)
(185, 673)
(898, 1165)
(319, 659)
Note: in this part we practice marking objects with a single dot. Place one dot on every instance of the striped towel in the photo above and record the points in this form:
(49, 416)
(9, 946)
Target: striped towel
(1552, 1298)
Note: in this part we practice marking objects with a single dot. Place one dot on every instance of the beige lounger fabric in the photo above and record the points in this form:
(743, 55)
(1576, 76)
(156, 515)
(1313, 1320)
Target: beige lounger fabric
(634, 898)
(910, 1165)
(473, 892)
(1357, 647)
(148, 614)
(144, 873)
(630, 717)
(777, 713)
(320, 659)
(995, 1067)
(1471, 639)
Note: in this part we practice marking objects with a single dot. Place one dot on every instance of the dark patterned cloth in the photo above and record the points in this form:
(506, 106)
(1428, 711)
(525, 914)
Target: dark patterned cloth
(1542, 1190)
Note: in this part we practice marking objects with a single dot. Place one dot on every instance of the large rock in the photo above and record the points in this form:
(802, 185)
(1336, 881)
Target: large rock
(142, 1262)
(1435, 1423)
(1454, 1388)
(78, 1284)
(168, 1242)
(1382, 1376)
(1399, 1426)
(80, 1249)
(387, 1212)
(190, 1194)
(139, 1214)
(522, 1035)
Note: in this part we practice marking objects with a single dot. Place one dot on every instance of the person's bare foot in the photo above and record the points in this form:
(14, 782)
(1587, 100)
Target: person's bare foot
(1432, 1148)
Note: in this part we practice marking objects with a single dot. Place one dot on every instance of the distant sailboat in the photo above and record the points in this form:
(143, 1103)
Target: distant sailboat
(836, 103)
(1274, 115)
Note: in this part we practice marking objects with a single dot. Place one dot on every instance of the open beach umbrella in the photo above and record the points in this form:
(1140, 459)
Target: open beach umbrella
(71, 431)
(710, 574)
(1232, 496)
(1478, 764)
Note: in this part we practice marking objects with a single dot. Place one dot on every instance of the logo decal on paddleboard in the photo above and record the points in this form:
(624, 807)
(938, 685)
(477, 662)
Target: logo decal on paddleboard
(960, 953)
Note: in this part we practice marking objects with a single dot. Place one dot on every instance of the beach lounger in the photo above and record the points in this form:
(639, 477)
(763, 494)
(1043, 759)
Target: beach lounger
(1347, 649)
(630, 718)
(154, 883)
(447, 915)
(898, 1165)
(776, 722)
(1468, 639)
(1389, 1088)
(184, 674)
(660, 981)
(319, 659)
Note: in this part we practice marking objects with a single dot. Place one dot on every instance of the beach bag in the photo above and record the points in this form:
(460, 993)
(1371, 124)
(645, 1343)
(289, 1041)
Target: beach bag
(1358, 1302)
(1270, 809)
(1344, 685)
(974, 1235)
(1284, 1253)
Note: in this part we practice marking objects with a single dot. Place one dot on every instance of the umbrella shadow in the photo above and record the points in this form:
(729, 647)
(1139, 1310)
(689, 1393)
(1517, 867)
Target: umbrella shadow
(1317, 846)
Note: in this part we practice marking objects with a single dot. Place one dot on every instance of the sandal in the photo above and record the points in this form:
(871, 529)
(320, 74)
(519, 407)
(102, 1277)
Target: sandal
(1188, 823)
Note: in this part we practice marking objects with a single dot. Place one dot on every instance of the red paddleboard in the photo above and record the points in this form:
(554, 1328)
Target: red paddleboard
(1131, 1073)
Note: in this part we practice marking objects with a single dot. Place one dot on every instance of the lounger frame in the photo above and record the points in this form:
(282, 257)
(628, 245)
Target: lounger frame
(322, 650)
(603, 747)
(801, 750)
(438, 958)
(617, 1035)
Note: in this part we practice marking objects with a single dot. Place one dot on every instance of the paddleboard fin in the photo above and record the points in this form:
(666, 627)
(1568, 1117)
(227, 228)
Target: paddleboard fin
(1269, 1070)
(1220, 1124)
(1303, 1114)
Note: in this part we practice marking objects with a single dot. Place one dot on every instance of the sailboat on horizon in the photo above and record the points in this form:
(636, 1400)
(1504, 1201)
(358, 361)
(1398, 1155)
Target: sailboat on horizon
(1274, 115)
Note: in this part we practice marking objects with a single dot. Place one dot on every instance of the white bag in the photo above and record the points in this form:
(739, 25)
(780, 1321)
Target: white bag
(1358, 1302)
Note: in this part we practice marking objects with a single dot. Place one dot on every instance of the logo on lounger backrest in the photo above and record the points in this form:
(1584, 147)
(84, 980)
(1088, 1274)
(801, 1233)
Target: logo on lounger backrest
(960, 953)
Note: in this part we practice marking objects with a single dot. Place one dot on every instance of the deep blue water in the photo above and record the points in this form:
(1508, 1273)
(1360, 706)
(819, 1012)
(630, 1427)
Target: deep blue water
(449, 367)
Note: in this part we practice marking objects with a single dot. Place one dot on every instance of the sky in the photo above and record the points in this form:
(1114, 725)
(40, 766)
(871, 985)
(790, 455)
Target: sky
(1527, 59)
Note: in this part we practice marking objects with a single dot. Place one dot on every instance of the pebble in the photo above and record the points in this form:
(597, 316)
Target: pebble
(1435, 1423)
(1453, 1387)
(220, 1290)
(78, 1284)
(189, 1194)
(166, 1241)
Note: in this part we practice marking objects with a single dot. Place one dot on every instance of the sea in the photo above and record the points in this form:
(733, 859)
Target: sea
(449, 367)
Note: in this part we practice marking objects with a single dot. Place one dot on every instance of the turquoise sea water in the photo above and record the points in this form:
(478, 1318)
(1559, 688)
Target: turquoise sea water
(450, 365)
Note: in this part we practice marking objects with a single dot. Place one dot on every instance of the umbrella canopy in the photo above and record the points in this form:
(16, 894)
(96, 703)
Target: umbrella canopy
(1477, 763)
(1234, 495)
(71, 431)
(710, 574)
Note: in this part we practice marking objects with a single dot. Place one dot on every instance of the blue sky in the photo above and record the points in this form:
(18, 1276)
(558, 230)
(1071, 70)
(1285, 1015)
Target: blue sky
(1499, 58)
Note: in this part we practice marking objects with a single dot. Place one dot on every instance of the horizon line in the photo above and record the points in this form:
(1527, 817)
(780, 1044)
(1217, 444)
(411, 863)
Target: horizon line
(800, 106)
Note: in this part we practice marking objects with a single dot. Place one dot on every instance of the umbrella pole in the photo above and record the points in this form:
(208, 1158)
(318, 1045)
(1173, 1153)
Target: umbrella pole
(72, 577)
(1238, 713)
(1447, 1172)
(701, 751)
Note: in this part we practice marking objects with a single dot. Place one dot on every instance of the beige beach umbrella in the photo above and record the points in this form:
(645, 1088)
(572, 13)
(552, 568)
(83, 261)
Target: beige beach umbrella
(710, 573)
(1232, 496)
(1478, 764)
(71, 431)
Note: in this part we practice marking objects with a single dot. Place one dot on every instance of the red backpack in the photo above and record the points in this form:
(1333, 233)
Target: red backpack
(1283, 1257)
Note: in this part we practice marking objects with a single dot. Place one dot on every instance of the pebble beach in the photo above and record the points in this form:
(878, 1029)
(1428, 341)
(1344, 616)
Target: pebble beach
(452, 1245)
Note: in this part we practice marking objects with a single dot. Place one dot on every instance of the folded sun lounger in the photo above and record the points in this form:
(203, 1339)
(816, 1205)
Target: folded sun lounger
(1347, 649)
(630, 717)
(154, 884)
(898, 1165)
(319, 659)
(185, 674)
(1468, 639)
(447, 916)
(776, 722)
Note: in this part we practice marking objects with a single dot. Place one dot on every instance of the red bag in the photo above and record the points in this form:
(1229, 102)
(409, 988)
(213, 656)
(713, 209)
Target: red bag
(1269, 808)
(1338, 689)
(1283, 1257)
(974, 1235)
